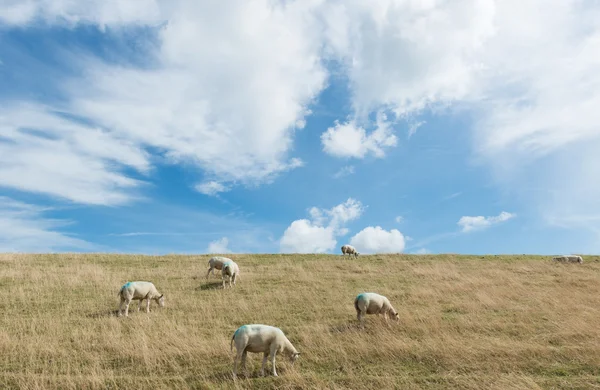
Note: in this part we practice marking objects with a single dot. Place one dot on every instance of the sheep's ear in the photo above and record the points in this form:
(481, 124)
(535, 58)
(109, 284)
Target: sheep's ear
(162, 295)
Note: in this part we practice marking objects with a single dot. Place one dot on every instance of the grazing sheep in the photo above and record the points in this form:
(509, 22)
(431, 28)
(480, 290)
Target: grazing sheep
(568, 259)
(371, 303)
(259, 338)
(230, 272)
(216, 262)
(350, 250)
(139, 291)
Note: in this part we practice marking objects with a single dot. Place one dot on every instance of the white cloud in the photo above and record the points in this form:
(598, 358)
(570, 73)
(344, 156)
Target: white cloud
(478, 223)
(344, 171)
(377, 240)
(318, 235)
(350, 140)
(228, 85)
(211, 188)
(45, 152)
(219, 246)
(399, 219)
(24, 228)
(224, 90)
(304, 236)
(21, 12)
(407, 55)
(533, 103)
(412, 129)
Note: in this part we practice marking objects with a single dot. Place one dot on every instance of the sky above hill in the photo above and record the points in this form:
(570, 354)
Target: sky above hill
(464, 126)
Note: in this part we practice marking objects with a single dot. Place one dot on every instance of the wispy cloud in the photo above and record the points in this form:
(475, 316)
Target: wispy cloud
(412, 128)
(480, 222)
(452, 196)
(24, 228)
(344, 171)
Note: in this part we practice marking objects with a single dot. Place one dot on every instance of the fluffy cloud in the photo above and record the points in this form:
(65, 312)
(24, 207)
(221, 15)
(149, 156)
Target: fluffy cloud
(377, 240)
(224, 89)
(533, 103)
(304, 236)
(478, 223)
(318, 235)
(219, 246)
(24, 228)
(350, 140)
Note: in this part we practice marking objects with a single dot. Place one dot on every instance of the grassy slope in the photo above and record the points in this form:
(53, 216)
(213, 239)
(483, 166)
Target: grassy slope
(466, 322)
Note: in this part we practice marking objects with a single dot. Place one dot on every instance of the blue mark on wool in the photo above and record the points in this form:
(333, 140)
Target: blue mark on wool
(126, 285)
(238, 329)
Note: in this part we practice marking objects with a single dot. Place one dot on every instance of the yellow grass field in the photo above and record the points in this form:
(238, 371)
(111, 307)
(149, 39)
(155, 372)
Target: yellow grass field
(466, 322)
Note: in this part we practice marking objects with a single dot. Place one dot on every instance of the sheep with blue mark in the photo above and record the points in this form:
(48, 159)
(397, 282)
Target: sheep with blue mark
(372, 303)
(216, 262)
(230, 272)
(258, 338)
(139, 290)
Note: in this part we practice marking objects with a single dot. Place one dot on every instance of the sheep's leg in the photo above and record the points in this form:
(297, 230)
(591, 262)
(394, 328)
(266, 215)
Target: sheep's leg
(120, 307)
(127, 302)
(234, 278)
(235, 364)
(147, 305)
(361, 319)
(208, 273)
(264, 362)
(273, 353)
(244, 362)
(140, 304)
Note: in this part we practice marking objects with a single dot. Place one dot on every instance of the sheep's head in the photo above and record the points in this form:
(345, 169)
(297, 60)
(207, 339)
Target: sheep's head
(161, 300)
(294, 356)
(395, 316)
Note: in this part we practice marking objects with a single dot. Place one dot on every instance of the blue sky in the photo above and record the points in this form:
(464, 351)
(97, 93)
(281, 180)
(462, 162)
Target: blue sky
(299, 126)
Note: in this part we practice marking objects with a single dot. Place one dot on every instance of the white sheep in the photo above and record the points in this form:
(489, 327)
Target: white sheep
(139, 291)
(350, 250)
(216, 262)
(568, 259)
(372, 303)
(259, 338)
(230, 272)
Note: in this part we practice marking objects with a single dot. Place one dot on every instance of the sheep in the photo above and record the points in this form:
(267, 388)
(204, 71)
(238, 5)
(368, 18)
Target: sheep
(259, 338)
(216, 262)
(372, 303)
(139, 291)
(230, 271)
(350, 250)
(568, 259)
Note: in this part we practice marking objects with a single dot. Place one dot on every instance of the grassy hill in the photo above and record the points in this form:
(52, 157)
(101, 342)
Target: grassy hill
(466, 322)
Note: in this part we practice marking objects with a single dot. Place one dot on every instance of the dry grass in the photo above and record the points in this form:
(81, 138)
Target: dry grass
(466, 322)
